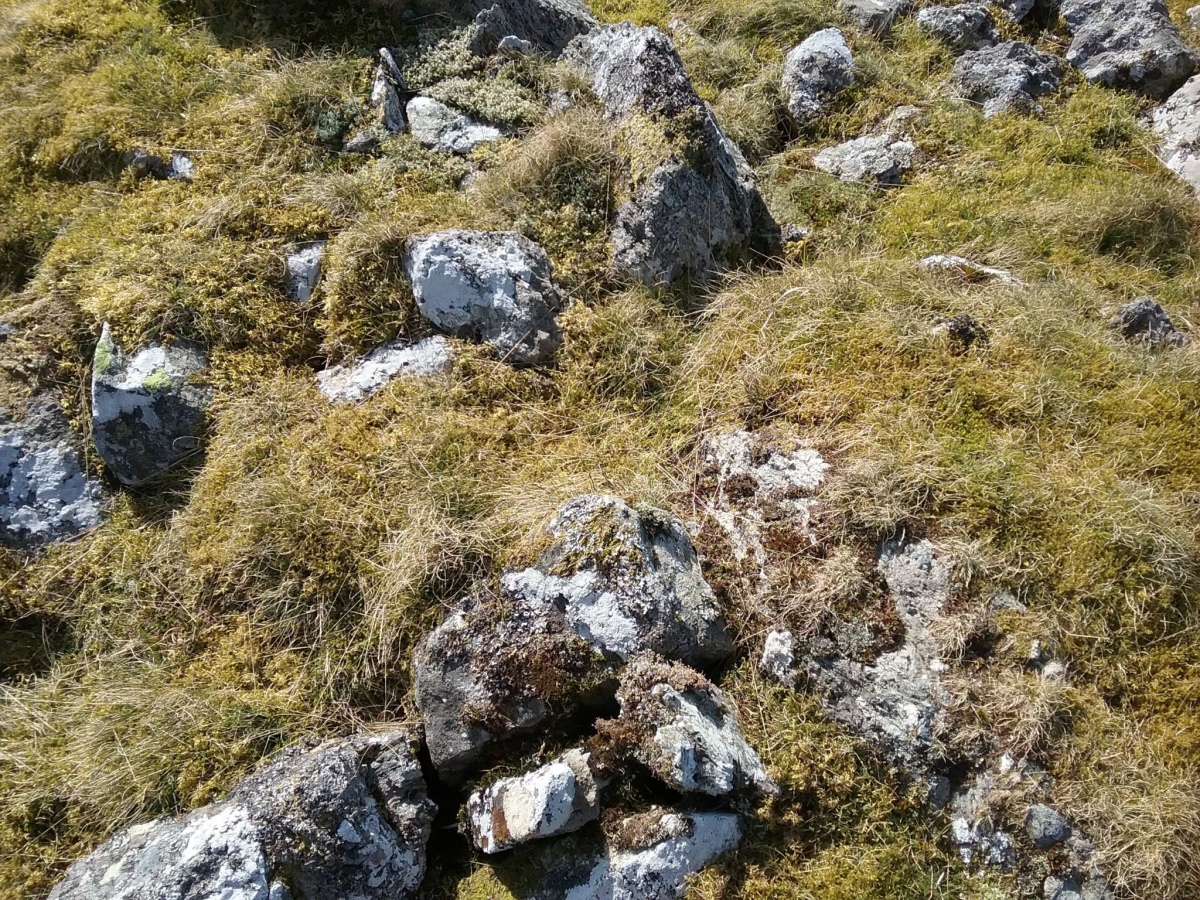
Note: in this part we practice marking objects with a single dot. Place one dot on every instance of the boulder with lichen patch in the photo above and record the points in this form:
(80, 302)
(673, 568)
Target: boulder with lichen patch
(545, 25)
(439, 127)
(967, 26)
(148, 409)
(1006, 77)
(816, 70)
(877, 159)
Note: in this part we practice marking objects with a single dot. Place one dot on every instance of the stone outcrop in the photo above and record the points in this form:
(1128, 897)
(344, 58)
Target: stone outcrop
(815, 71)
(877, 159)
(489, 286)
(45, 495)
(386, 92)
(547, 26)
(1177, 124)
(1006, 77)
(693, 206)
(967, 26)
(303, 271)
(348, 819)
(437, 126)
(397, 359)
(148, 409)
(1145, 321)
(1128, 44)
(875, 15)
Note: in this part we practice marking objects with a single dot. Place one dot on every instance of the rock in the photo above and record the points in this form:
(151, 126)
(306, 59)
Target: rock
(981, 843)
(560, 797)
(303, 271)
(364, 142)
(694, 207)
(968, 26)
(490, 286)
(875, 15)
(352, 383)
(875, 159)
(968, 270)
(348, 819)
(964, 332)
(794, 234)
(1128, 44)
(544, 25)
(1193, 14)
(45, 495)
(1005, 77)
(385, 93)
(1016, 10)
(438, 127)
(815, 71)
(627, 582)
(1055, 888)
(778, 660)
(680, 726)
(182, 168)
(144, 163)
(1177, 124)
(1045, 826)
(147, 414)
(1146, 321)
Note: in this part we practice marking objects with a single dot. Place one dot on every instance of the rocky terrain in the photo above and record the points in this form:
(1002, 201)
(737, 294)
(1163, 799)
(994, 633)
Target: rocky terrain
(538, 450)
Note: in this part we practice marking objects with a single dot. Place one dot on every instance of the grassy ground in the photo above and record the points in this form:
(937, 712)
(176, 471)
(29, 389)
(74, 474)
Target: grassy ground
(275, 591)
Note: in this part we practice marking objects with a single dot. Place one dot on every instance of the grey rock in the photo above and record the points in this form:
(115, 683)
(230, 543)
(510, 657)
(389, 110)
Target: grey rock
(557, 798)
(491, 286)
(1005, 77)
(875, 159)
(1193, 14)
(1016, 10)
(45, 495)
(364, 142)
(964, 331)
(815, 71)
(694, 207)
(1056, 888)
(385, 93)
(1145, 321)
(1045, 826)
(146, 164)
(147, 412)
(544, 25)
(1128, 44)
(1177, 124)
(348, 819)
(438, 127)
(875, 15)
(778, 661)
(303, 271)
(352, 383)
(627, 581)
(967, 269)
(968, 26)
(182, 168)
(792, 233)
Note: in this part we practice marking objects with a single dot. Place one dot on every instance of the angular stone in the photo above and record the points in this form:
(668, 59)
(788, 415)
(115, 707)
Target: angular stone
(147, 412)
(874, 159)
(1177, 124)
(1128, 44)
(1046, 826)
(1144, 320)
(352, 383)
(386, 91)
(490, 286)
(544, 25)
(815, 71)
(967, 269)
(968, 26)
(778, 661)
(1016, 10)
(303, 271)
(875, 15)
(1005, 77)
(964, 332)
(438, 127)
(45, 496)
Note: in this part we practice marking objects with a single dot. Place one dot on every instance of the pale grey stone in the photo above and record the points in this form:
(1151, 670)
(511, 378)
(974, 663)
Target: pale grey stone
(303, 271)
(352, 383)
(875, 159)
(968, 26)
(875, 15)
(182, 168)
(778, 660)
(546, 26)
(1177, 124)
(1193, 14)
(1006, 77)
(1016, 10)
(385, 93)
(815, 71)
(438, 127)
(967, 269)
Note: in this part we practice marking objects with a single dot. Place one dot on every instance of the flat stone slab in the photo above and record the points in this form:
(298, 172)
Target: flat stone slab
(437, 126)
(875, 159)
(398, 359)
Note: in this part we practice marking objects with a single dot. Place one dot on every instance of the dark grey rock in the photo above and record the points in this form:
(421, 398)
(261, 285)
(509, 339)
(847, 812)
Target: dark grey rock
(45, 495)
(1006, 77)
(880, 159)
(964, 332)
(1045, 826)
(1056, 888)
(147, 411)
(1146, 321)
(491, 286)
(145, 164)
(363, 142)
(544, 25)
(875, 15)
(1016, 10)
(815, 71)
(968, 26)
(1177, 124)
(1128, 44)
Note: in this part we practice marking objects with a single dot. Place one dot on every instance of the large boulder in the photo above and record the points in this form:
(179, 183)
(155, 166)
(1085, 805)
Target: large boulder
(397, 359)
(1177, 124)
(875, 15)
(148, 409)
(348, 819)
(437, 126)
(816, 70)
(968, 26)
(490, 286)
(45, 495)
(693, 208)
(878, 159)
(1128, 44)
(546, 25)
(1005, 77)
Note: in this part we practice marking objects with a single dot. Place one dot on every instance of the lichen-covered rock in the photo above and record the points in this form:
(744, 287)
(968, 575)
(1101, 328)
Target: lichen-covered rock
(694, 207)
(815, 71)
(45, 495)
(303, 271)
(1009, 76)
(778, 660)
(1193, 14)
(352, 383)
(347, 819)
(490, 286)
(148, 411)
(876, 159)
(967, 26)
(875, 15)
(557, 798)
(1046, 826)
(627, 581)
(1177, 124)
(386, 91)
(545, 25)
(438, 127)
(680, 726)
(1016, 10)
(967, 269)
(1145, 320)
(1128, 44)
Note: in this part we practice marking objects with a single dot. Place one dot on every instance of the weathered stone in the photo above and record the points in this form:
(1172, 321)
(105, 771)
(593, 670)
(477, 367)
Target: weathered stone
(627, 582)
(182, 168)
(438, 127)
(1046, 826)
(364, 142)
(778, 660)
(303, 271)
(347, 819)
(545, 25)
(694, 208)
(968, 26)
(1016, 10)
(964, 332)
(815, 71)
(874, 159)
(967, 269)
(352, 383)
(1128, 44)
(1055, 888)
(1193, 14)
(1177, 124)
(490, 286)
(557, 798)
(147, 412)
(146, 164)
(1005, 77)
(1146, 321)
(45, 496)
(680, 726)
(385, 93)
(875, 15)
